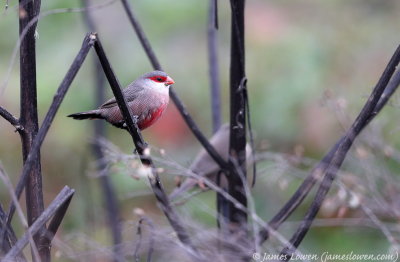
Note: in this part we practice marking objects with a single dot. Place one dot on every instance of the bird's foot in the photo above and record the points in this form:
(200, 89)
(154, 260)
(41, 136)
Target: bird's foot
(135, 119)
(122, 124)
(201, 184)
(178, 181)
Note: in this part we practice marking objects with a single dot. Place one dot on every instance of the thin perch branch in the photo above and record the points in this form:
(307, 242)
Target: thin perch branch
(10, 237)
(177, 101)
(139, 234)
(144, 153)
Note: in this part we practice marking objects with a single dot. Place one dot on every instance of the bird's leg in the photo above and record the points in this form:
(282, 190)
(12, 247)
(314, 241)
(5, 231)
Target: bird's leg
(178, 181)
(142, 144)
(135, 122)
(135, 119)
(201, 184)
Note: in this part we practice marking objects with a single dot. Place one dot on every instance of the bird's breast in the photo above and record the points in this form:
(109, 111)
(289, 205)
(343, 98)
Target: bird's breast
(152, 116)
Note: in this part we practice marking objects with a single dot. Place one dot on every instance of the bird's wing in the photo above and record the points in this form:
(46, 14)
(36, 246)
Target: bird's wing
(203, 165)
(131, 92)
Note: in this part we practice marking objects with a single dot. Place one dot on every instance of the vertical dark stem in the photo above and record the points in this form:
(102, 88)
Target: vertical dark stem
(109, 195)
(174, 96)
(37, 142)
(213, 66)
(237, 115)
(29, 116)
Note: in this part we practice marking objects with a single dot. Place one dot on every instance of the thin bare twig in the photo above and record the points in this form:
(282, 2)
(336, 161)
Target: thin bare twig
(300, 194)
(208, 182)
(55, 223)
(33, 21)
(144, 153)
(139, 233)
(177, 101)
(109, 195)
(11, 237)
(10, 118)
(361, 121)
(63, 197)
(62, 90)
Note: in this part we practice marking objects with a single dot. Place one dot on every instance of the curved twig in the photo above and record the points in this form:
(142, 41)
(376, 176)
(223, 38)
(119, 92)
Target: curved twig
(59, 96)
(63, 197)
(11, 119)
(109, 195)
(177, 101)
(139, 233)
(361, 121)
(144, 153)
(315, 174)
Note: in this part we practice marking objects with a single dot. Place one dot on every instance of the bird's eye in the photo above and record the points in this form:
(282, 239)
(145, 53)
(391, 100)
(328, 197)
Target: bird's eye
(159, 79)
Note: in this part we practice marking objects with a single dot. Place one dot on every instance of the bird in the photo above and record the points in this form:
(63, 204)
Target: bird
(147, 97)
(204, 166)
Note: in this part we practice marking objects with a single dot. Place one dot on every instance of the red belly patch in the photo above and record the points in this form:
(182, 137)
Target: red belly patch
(152, 117)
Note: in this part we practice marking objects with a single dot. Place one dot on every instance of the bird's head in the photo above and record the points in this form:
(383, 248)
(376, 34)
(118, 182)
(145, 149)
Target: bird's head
(158, 80)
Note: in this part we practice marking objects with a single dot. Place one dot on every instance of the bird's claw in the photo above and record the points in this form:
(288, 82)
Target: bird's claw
(178, 181)
(135, 119)
(201, 184)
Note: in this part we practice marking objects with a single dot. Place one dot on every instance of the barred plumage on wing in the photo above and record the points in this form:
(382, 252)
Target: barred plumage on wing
(147, 97)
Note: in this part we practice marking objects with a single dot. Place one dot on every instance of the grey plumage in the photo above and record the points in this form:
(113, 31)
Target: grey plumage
(204, 166)
(146, 97)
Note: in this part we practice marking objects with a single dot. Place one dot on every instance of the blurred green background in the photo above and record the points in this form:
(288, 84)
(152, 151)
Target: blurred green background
(310, 67)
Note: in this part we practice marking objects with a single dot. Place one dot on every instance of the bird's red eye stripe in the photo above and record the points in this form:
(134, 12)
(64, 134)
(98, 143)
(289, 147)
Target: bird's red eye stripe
(159, 79)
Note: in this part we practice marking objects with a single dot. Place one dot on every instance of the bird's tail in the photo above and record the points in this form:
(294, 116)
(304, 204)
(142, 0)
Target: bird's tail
(93, 114)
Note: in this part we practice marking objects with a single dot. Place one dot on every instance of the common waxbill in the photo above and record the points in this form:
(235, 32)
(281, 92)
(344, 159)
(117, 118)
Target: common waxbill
(204, 166)
(147, 97)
